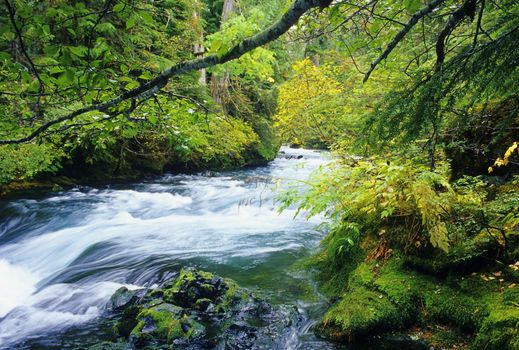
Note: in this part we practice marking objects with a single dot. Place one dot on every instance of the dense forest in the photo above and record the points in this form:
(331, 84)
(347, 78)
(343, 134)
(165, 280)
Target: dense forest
(417, 102)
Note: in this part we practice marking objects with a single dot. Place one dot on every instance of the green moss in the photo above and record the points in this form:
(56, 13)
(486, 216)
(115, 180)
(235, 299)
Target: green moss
(108, 346)
(500, 330)
(447, 306)
(376, 302)
(233, 294)
(127, 321)
(464, 257)
(360, 312)
(165, 322)
(390, 297)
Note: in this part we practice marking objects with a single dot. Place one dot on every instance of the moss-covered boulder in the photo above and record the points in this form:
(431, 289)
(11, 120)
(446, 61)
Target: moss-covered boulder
(500, 330)
(201, 290)
(196, 309)
(392, 297)
(378, 299)
(467, 256)
(164, 324)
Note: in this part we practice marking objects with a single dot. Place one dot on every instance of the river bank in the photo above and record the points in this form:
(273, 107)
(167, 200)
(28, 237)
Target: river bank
(66, 253)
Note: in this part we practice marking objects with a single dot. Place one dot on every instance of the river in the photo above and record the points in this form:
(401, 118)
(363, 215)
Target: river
(62, 255)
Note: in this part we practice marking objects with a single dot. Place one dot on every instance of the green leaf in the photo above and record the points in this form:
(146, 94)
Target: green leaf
(412, 5)
(57, 69)
(130, 23)
(79, 51)
(146, 17)
(119, 7)
(5, 56)
(51, 50)
(146, 75)
(152, 119)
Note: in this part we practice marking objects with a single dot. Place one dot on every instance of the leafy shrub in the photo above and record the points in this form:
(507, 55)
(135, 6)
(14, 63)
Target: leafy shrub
(25, 162)
(376, 197)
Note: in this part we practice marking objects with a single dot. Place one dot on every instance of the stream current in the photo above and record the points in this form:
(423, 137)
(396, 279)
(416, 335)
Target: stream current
(62, 255)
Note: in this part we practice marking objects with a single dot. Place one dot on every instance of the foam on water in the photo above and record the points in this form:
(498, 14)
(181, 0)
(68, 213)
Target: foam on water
(16, 285)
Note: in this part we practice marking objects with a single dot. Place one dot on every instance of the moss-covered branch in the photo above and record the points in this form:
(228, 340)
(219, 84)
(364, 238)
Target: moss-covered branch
(147, 90)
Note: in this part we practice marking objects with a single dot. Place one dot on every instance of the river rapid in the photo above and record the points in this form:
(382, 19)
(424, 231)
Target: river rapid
(62, 255)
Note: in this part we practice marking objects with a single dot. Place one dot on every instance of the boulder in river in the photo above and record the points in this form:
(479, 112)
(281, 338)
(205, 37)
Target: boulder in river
(197, 310)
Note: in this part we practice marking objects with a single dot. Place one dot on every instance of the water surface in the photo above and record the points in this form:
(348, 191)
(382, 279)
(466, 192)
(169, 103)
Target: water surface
(63, 255)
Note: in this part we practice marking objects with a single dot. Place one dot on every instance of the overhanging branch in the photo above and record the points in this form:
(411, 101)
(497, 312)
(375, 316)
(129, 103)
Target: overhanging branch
(402, 33)
(147, 90)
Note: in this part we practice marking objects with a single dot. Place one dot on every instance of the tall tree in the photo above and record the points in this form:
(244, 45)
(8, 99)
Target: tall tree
(220, 82)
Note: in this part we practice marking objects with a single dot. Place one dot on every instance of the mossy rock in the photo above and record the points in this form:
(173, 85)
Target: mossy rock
(122, 297)
(447, 306)
(361, 312)
(127, 321)
(390, 297)
(192, 285)
(165, 323)
(466, 257)
(108, 346)
(375, 302)
(500, 331)
(180, 312)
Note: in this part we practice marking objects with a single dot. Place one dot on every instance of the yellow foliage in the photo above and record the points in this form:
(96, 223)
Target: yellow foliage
(308, 103)
(500, 162)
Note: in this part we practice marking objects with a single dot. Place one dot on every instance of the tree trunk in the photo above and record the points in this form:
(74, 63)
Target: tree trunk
(220, 84)
(198, 47)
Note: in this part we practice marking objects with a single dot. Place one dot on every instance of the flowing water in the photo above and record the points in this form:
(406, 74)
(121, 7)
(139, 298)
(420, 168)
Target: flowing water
(63, 255)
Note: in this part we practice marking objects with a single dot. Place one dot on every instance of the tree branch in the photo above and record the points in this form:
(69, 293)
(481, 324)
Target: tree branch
(147, 90)
(402, 33)
(468, 9)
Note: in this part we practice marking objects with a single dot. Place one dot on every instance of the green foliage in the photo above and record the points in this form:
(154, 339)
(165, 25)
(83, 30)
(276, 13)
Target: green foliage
(368, 195)
(310, 106)
(24, 162)
(257, 64)
(86, 54)
(443, 106)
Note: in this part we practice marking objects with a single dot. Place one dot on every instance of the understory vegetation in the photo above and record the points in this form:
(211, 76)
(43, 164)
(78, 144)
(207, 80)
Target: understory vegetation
(57, 56)
(417, 101)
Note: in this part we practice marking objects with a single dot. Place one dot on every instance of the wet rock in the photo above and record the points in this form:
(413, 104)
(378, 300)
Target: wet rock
(194, 289)
(163, 324)
(127, 321)
(196, 310)
(121, 297)
(240, 336)
(108, 346)
(290, 156)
